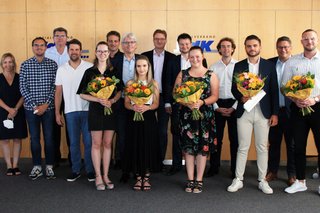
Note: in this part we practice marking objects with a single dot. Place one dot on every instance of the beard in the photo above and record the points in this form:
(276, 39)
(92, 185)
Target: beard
(253, 53)
(74, 58)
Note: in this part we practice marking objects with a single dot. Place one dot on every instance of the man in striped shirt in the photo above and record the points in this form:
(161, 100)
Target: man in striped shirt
(37, 77)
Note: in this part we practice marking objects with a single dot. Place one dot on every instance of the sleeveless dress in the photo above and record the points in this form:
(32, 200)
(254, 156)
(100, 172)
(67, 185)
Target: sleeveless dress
(142, 144)
(197, 136)
(10, 94)
(97, 121)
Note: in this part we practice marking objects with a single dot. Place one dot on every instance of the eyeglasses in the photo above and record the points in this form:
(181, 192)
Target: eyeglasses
(39, 45)
(102, 51)
(283, 47)
(129, 42)
(159, 39)
(60, 36)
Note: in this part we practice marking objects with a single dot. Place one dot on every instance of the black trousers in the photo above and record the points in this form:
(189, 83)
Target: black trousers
(301, 126)
(275, 138)
(215, 154)
(176, 148)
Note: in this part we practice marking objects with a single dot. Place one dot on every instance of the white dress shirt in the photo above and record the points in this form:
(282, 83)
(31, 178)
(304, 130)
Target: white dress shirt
(225, 75)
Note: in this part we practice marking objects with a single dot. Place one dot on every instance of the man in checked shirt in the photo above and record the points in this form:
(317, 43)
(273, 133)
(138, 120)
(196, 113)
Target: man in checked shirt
(37, 77)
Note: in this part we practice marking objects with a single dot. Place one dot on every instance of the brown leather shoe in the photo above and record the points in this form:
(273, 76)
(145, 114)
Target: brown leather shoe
(291, 180)
(271, 176)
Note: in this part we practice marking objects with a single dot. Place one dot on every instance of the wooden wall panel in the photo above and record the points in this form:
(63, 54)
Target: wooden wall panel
(131, 5)
(144, 23)
(276, 5)
(261, 24)
(13, 37)
(112, 20)
(60, 5)
(284, 26)
(8, 6)
(203, 5)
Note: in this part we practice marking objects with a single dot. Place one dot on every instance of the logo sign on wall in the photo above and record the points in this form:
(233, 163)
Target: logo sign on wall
(206, 42)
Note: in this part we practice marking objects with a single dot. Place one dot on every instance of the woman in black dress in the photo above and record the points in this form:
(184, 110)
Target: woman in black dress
(142, 146)
(101, 125)
(11, 107)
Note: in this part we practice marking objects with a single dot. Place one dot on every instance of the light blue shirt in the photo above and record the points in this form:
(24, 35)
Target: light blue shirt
(128, 69)
(280, 67)
(60, 59)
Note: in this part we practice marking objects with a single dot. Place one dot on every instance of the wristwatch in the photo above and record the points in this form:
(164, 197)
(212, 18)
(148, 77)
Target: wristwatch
(316, 99)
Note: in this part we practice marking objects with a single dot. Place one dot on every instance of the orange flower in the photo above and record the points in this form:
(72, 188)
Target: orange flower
(147, 91)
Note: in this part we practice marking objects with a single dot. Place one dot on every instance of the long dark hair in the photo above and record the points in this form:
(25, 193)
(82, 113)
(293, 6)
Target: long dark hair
(96, 61)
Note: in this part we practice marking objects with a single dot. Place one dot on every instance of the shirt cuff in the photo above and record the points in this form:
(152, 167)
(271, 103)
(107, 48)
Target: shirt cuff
(167, 105)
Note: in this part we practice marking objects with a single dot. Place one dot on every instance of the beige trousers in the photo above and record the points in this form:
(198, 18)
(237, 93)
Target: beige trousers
(256, 121)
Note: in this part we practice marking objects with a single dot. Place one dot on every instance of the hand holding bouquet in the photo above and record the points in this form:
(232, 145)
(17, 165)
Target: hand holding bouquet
(300, 87)
(249, 84)
(139, 94)
(189, 92)
(102, 87)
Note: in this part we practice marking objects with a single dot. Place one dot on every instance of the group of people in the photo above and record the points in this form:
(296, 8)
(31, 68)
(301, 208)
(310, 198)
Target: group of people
(53, 83)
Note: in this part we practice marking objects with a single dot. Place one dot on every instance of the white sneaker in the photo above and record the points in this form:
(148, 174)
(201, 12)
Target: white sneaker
(236, 185)
(265, 188)
(297, 186)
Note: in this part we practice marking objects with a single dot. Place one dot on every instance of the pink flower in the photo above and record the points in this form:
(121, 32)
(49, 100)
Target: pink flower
(190, 135)
(205, 148)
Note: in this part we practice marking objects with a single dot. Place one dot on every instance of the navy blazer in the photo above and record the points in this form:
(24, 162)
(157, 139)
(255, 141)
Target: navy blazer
(270, 102)
(169, 66)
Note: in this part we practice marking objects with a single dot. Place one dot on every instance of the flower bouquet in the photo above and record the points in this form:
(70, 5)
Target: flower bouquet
(249, 84)
(103, 87)
(300, 87)
(139, 94)
(189, 92)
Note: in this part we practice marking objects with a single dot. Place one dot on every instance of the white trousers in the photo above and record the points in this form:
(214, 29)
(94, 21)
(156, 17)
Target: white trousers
(256, 121)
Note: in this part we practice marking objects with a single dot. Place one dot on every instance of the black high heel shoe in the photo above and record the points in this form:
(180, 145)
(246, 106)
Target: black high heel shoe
(189, 186)
(198, 187)
(138, 185)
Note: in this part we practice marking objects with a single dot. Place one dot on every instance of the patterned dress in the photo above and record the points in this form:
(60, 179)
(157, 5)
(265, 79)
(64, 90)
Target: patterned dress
(197, 136)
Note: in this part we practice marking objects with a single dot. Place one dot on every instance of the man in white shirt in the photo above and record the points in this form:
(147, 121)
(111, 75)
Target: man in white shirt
(68, 78)
(59, 54)
(225, 106)
(301, 64)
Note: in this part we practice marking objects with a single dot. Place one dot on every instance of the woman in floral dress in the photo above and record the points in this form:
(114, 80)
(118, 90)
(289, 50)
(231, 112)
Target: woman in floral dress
(196, 135)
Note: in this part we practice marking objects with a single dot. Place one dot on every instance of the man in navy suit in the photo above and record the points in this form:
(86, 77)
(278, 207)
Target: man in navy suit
(260, 117)
(283, 128)
(163, 63)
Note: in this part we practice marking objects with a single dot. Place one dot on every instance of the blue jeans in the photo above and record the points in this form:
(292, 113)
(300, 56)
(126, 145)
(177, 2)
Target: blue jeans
(77, 123)
(34, 121)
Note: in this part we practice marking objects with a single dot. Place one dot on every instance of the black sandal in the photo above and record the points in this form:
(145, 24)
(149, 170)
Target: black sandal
(10, 172)
(138, 185)
(16, 171)
(146, 179)
(198, 187)
(189, 186)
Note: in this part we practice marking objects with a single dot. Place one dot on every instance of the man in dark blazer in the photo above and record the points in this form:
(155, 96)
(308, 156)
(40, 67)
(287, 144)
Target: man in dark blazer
(125, 65)
(283, 128)
(260, 117)
(116, 59)
(162, 63)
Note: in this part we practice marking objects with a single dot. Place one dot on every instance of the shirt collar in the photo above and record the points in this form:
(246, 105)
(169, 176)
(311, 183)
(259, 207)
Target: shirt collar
(155, 53)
